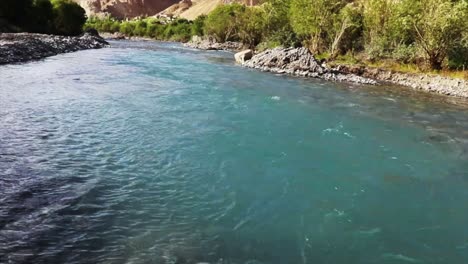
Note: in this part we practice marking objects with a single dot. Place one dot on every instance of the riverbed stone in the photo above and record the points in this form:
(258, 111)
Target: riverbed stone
(243, 56)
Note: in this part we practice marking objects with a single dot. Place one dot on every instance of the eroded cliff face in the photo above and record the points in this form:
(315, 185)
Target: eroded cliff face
(191, 9)
(125, 8)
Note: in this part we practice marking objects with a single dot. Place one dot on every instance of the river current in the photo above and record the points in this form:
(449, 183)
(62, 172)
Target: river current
(155, 153)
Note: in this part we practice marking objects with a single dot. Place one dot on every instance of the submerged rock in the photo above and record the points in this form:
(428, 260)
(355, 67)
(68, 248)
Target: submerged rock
(243, 56)
(22, 47)
(299, 62)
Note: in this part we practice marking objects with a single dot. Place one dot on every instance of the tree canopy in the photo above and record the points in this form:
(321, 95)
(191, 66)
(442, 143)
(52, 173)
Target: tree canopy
(42, 16)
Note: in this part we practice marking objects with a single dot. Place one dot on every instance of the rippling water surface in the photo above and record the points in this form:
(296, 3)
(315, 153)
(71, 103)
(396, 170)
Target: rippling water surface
(153, 153)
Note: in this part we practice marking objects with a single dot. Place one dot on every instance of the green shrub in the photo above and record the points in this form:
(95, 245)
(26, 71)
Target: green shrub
(252, 26)
(16, 12)
(224, 21)
(458, 56)
(440, 26)
(43, 18)
(140, 28)
(405, 53)
(314, 21)
(277, 23)
(127, 28)
(198, 25)
(178, 30)
(69, 17)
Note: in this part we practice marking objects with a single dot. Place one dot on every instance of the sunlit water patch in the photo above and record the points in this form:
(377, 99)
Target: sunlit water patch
(154, 153)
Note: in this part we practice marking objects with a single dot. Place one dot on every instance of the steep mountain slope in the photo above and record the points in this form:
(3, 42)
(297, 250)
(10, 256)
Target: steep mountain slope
(191, 9)
(125, 8)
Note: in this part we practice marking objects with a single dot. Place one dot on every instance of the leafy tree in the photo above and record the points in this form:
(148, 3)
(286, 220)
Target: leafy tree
(198, 25)
(42, 16)
(16, 11)
(314, 19)
(182, 30)
(458, 55)
(69, 17)
(252, 26)
(140, 28)
(42, 19)
(127, 28)
(347, 23)
(224, 21)
(278, 30)
(388, 26)
(439, 26)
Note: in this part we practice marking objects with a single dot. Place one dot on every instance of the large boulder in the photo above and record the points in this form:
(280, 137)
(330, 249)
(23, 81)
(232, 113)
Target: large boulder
(243, 56)
(287, 60)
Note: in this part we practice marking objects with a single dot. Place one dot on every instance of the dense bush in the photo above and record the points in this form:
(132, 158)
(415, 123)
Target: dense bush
(15, 12)
(236, 22)
(199, 25)
(69, 17)
(42, 16)
(224, 22)
(439, 26)
(458, 55)
(177, 30)
(278, 30)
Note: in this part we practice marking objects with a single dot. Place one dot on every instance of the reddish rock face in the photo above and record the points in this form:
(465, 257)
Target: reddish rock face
(125, 8)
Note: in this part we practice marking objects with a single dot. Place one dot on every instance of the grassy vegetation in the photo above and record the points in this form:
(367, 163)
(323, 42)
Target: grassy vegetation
(176, 30)
(392, 65)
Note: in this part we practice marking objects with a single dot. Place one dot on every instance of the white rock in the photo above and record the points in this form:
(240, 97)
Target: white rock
(243, 56)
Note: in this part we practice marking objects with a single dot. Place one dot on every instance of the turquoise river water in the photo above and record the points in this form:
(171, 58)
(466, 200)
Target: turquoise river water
(155, 153)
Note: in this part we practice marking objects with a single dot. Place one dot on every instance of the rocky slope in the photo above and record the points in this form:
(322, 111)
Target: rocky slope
(125, 8)
(22, 47)
(191, 9)
(300, 62)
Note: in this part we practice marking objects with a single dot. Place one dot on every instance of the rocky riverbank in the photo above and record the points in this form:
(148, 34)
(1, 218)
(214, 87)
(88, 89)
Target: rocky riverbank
(22, 47)
(426, 82)
(210, 44)
(300, 62)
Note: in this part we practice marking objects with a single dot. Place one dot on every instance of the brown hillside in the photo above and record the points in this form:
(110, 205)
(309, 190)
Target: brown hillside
(191, 9)
(125, 8)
